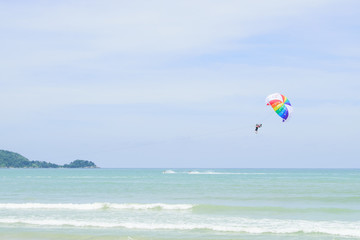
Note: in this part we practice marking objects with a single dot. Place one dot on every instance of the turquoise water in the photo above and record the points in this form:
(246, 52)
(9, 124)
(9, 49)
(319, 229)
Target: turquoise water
(143, 204)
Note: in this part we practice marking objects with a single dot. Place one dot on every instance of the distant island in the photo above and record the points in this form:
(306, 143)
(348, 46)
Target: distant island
(10, 159)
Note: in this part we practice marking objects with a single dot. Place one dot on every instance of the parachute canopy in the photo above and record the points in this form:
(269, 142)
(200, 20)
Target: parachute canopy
(280, 104)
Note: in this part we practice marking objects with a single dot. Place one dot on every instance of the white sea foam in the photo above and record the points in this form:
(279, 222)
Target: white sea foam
(153, 206)
(209, 172)
(252, 226)
(95, 206)
(221, 173)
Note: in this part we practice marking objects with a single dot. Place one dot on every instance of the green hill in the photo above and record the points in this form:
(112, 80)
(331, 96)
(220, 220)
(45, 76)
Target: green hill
(14, 160)
(80, 164)
(11, 159)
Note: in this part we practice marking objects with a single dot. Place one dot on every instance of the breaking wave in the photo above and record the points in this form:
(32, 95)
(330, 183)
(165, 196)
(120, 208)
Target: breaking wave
(196, 208)
(95, 206)
(243, 225)
(212, 172)
(224, 173)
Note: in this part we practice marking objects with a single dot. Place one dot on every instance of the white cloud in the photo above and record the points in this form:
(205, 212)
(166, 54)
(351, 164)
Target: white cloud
(186, 86)
(70, 31)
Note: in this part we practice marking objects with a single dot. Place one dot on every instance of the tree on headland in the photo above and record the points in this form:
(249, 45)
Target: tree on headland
(10, 159)
(43, 164)
(80, 164)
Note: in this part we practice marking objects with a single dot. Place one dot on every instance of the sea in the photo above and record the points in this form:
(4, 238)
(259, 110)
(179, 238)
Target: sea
(189, 204)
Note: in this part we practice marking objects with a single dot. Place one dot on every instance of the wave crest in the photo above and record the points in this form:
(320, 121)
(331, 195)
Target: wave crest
(96, 206)
(252, 226)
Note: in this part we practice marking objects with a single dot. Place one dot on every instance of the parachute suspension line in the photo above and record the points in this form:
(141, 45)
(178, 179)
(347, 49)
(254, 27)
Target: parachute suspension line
(221, 131)
(266, 117)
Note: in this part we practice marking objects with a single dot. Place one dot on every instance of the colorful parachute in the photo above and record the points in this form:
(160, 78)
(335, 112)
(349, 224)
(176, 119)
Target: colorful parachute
(280, 104)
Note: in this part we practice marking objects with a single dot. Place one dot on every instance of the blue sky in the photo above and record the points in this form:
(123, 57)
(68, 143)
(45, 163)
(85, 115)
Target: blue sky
(181, 84)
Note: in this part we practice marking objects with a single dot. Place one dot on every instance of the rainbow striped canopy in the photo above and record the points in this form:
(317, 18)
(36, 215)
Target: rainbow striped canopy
(280, 104)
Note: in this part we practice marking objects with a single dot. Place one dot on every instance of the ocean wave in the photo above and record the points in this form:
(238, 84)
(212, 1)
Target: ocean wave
(250, 226)
(96, 206)
(211, 172)
(205, 208)
(223, 173)
(196, 208)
